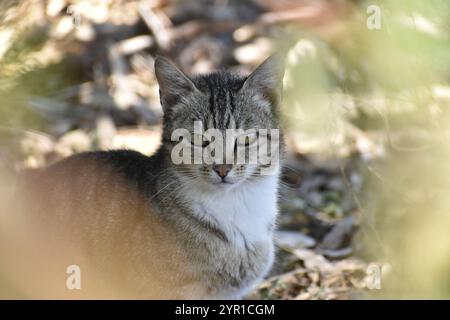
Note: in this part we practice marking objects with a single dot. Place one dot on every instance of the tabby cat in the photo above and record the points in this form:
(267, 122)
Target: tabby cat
(145, 227)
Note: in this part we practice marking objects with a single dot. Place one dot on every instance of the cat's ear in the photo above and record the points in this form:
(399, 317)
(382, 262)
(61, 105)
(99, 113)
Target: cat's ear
(267, 79)
(173, 83)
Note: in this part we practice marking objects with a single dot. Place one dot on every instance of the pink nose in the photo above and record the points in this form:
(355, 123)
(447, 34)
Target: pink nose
(222, 169)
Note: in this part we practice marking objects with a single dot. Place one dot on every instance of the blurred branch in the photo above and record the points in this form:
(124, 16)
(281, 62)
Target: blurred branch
(158, 23)
(321, 19)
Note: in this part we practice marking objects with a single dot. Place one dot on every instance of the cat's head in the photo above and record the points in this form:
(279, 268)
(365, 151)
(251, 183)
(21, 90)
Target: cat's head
(221, 103)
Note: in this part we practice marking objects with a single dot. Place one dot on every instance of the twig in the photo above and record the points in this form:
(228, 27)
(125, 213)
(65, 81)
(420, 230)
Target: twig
(134, 44)
(158, 23)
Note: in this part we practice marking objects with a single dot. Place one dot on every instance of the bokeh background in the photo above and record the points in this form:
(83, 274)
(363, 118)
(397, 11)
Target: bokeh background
(365, 211)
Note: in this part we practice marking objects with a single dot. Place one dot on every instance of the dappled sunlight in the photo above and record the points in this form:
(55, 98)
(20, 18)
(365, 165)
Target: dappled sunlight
(365, 116)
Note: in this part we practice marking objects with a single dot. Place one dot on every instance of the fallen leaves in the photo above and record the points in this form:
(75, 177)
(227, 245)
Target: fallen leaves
(317, 278)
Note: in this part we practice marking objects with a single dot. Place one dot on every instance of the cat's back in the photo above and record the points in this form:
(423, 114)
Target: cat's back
(95, 166)
(88, 182)
(94, 210)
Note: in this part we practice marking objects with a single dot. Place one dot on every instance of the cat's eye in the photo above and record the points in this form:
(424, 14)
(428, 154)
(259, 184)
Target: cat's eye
(199, 140)
(247, 139)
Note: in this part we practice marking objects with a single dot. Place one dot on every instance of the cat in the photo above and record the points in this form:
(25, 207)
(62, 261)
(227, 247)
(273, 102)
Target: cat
(143, 227)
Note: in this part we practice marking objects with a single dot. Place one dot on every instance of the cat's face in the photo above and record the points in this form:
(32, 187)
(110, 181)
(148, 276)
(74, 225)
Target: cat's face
(220, 117)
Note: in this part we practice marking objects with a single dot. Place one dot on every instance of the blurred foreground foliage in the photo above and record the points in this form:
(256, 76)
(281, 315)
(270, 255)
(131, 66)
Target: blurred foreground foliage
(366, 113)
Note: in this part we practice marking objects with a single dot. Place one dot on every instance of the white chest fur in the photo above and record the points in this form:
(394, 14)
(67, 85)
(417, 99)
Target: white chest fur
(246, 215)
(249, 210)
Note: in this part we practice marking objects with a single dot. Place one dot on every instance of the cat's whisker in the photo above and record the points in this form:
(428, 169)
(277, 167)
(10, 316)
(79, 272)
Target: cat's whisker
(162, 189)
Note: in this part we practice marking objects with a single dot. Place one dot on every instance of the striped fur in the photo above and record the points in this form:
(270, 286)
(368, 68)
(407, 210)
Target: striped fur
(142, 227)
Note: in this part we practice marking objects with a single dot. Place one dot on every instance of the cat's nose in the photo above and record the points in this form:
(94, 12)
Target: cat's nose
(222, 169)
